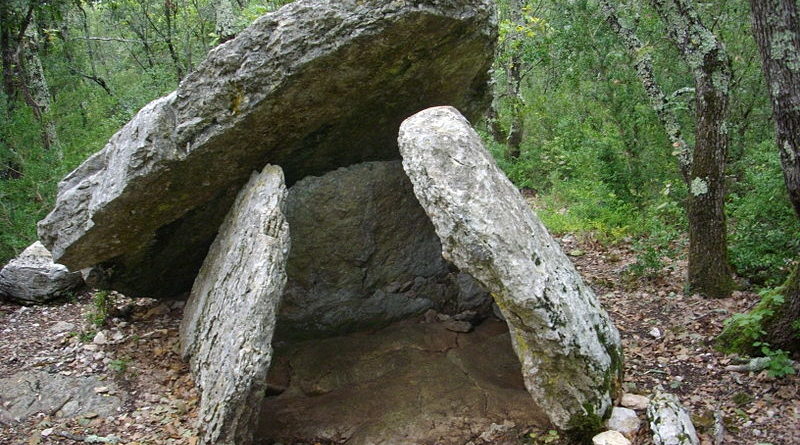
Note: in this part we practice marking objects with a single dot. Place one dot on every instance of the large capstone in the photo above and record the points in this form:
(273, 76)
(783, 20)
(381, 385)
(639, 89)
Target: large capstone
(569, 349)
(315, 86)
(228, 323)
(364, 254)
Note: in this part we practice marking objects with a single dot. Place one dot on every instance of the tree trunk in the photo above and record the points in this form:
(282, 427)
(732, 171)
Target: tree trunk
(709, 270)
(776, 27)
(225, 19)
(643, 62)
(34, 87)
(493, 123)
(7, 53)
(170, 11)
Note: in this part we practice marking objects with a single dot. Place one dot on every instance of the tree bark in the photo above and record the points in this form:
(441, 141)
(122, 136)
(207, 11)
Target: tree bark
(702, 166)
(709, 270)
(643, 62)
(225, 20)
(34, 86)
(7, 53)
(776, 28)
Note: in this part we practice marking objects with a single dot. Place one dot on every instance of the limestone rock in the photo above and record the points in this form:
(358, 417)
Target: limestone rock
(624, 420)
(670, 422)
(229, 321)
(33, 277)
(610, 438)
(29, 392)
(634, 401)
(316, 85)
(569, 349)
(364, 254)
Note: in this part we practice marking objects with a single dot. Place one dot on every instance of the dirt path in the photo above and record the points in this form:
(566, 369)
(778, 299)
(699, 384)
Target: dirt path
(680, 357)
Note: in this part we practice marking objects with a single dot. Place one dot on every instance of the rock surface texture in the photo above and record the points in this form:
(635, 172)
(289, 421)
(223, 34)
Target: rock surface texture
(229, 320)
(364, 254)
(314, 86)
(29, 392)
(569, 349)
(32, 277)
(610, 438)
(670, 422)
(624, 420)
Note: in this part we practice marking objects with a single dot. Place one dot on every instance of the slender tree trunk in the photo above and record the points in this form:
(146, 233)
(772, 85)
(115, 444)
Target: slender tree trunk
(514, 80)
(776, 27)
(703, 166)
(35, 89)
(170, 10)
(225, 20)
(7, 54)
(643, 62)
(709, 270)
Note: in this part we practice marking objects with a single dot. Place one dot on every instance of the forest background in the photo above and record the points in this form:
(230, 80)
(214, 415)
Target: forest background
(570, 123)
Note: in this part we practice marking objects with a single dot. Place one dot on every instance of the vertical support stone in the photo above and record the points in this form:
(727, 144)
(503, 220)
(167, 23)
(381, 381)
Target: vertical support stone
(229, 321)
(569, 348)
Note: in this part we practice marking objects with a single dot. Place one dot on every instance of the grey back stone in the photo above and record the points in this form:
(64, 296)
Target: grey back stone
(364, 254)
(569, 349)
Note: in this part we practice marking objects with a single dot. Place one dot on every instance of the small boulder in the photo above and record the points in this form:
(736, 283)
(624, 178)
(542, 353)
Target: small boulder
(29, 392)
(61, 327)
(33, 277)
(624, 420)
(610, 438)
(634, 401)
(670, 422)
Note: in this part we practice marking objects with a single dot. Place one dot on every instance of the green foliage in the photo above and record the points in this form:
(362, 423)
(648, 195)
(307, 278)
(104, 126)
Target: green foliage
(549, 437)
(744, 333)
(101, 304)
(779, 364)
(119, 366)
(743, 330)
(763, 225)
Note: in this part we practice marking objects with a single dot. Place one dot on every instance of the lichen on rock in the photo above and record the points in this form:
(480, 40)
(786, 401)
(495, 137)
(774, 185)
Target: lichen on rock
(569, 349)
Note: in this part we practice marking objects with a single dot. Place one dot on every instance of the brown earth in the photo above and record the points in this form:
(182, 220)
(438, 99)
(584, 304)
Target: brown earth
(140, 360)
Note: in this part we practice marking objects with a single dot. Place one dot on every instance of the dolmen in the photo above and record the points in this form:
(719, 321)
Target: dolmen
(317, 175)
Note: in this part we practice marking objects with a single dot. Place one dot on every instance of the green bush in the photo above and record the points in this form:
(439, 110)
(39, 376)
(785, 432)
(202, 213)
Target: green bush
(762, 224)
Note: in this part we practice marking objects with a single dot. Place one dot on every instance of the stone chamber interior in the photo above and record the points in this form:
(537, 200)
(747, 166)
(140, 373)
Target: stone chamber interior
(378, 338)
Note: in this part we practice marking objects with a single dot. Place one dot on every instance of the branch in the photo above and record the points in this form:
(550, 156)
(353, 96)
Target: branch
(646, 73)
(25, 23)
(98, 80)
(109, 39)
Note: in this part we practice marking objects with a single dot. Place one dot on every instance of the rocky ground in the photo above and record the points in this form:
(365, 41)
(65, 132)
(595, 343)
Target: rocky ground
(123, 382)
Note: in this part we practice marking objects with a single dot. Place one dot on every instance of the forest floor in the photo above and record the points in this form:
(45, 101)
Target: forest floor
(667, 336)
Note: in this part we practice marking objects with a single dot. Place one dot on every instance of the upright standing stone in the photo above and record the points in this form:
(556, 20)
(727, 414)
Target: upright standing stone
(569, 349)
(229, 320)
(314, 86)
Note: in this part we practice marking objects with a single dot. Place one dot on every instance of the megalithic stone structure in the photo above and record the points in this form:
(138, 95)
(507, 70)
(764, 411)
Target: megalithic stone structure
(314, 86)
(229, 320)
(569, 349)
